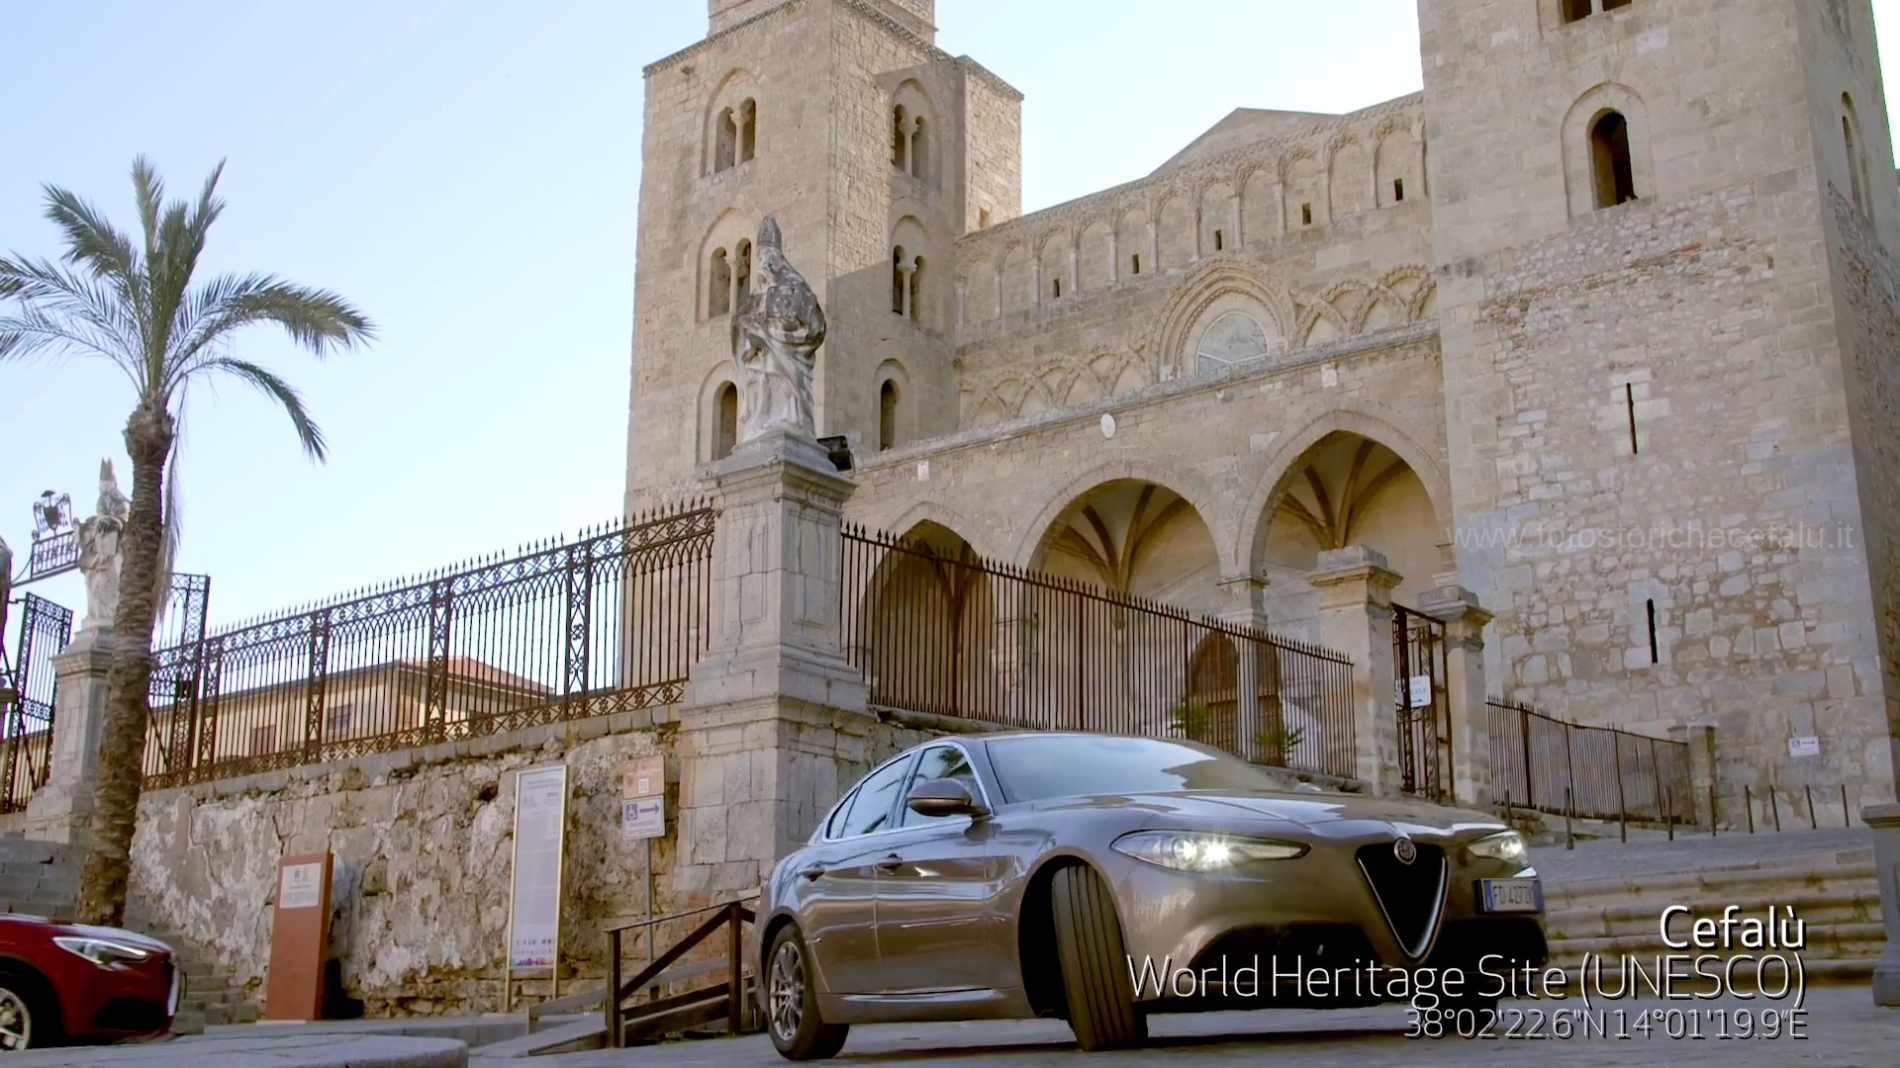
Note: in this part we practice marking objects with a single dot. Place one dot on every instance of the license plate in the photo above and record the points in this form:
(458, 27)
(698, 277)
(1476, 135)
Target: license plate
(1511, 895)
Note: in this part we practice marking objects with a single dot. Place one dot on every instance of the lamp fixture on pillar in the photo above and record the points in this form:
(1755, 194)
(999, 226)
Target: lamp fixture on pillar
(838, 448)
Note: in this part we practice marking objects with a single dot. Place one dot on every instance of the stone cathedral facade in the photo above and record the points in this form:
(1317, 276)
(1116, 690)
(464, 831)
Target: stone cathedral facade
(1601, 326)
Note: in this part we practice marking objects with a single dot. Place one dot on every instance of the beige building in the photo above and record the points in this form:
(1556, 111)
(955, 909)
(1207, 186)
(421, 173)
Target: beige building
(1601, 326)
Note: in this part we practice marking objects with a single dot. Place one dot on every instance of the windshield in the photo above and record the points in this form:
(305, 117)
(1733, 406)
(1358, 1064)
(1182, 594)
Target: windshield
(1032, 769)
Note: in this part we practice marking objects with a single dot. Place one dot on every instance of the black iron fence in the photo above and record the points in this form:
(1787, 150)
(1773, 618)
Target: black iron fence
(1587, 772)
(940, 630)
(606, 623)
(27, 728)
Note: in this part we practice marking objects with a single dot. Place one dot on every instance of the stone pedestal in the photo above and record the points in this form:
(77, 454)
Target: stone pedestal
(774, 716)
(1884, 821)
(1355, 618)
(61, 810)
(1465, 690)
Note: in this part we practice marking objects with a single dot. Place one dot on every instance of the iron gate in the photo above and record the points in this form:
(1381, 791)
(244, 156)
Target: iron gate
(45, 628)
(178, 664)
(1424, 719)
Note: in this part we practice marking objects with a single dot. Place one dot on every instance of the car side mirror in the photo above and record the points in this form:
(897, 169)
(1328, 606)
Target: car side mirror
(944, 797)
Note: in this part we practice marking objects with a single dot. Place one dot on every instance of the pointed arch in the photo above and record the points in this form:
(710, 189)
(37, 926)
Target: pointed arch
(1231, 278)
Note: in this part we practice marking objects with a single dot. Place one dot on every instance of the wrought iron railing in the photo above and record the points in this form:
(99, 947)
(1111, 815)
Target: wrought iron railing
(27, 746)
(606, 623)
(1545, 764)
(955, 635)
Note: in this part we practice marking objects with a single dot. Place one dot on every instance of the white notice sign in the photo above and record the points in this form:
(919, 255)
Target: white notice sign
(534, 919)
(1421, 691)
(1804, 746)
(643, 817)
(302, 887)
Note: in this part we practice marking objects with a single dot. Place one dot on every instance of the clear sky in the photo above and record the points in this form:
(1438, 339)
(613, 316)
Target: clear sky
(468, 173)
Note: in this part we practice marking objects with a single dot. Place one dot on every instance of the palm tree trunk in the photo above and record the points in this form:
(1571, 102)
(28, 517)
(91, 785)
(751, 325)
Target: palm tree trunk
(108, 868)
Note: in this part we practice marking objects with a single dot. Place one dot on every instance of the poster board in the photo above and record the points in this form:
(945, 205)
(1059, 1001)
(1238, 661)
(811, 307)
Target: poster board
(643, 799)
(299, 938)
(534, 899)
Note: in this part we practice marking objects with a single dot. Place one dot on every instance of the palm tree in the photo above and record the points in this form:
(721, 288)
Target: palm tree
(137, 306)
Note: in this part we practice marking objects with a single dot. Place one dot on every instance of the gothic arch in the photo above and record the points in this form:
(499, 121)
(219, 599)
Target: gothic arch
(727, 233)
(1368, 420)
(1208, 283)
(1579, 175)
(1029, 542)
(734, 89)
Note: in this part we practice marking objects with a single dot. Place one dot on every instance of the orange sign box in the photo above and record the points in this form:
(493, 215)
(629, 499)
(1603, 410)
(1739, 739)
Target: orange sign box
(299, 938)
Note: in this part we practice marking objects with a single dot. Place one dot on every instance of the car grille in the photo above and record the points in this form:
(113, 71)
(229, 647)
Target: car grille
(1411, 895)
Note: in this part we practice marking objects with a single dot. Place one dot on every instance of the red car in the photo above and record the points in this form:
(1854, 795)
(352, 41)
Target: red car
(68, 983)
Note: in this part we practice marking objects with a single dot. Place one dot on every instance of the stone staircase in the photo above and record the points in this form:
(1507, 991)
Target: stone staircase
(1607, 898)
(42, 879)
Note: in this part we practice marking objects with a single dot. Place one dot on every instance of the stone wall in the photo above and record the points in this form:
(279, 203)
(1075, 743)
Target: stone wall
(423, 843)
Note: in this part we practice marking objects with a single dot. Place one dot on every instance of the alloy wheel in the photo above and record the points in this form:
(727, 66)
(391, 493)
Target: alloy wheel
(787, 991)
(16, 1021)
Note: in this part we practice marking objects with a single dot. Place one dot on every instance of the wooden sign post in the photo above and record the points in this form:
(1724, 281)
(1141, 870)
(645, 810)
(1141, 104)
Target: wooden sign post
(299, 938)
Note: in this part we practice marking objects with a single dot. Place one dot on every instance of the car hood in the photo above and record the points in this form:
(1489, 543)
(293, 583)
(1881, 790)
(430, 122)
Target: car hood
(1316, 812)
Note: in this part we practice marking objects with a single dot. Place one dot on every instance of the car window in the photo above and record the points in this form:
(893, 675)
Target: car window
(940, 762)
(871, 809)
(834, 827)
(1032, 769)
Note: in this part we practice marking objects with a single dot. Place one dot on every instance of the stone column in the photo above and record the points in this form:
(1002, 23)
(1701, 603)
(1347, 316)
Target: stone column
(1355, 617)
(1884, 821)
(774, 719)
(1465, 691)
(1245, 599)
(61, 810)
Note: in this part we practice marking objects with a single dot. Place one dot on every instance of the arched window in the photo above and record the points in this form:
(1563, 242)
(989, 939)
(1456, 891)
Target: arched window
(900, 139)
(725, 149)
(742, 280)
(1856, 158)
(1610, 160)
(726, 427)
(1575, 9)
(748, 129)
(900, 285)
(916, 285)
(887, 415)
(1233, 339)
(719, 285)
(917, 153)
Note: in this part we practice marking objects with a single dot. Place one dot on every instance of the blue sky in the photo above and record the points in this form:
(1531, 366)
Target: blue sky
(468, 174)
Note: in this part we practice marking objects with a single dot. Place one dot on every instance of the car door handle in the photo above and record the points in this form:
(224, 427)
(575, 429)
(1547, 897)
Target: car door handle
(890, 863)
(812, 871)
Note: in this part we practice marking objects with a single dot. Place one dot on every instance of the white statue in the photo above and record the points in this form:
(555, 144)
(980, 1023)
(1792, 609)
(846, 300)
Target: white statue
(99, 552)
(775, 339)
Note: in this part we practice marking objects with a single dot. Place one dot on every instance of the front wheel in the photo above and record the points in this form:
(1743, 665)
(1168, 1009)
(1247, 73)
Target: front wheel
(24, 1023)
(1094, 963)
(791, 1003)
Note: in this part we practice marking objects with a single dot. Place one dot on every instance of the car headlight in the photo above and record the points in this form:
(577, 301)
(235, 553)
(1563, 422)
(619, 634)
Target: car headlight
(1508, 847)
(1190, 851)
(102, 951)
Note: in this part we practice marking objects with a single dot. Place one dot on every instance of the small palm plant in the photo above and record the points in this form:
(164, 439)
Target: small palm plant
(135, 301)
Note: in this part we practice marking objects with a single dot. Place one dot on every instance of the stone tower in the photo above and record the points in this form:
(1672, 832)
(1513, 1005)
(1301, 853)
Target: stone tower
(1662, 231)
(875, 150)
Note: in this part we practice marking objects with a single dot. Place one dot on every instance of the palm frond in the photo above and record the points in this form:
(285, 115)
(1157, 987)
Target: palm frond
(318, 320)
(59, 304)
(286, 397)
(91, 240)
(149, 189)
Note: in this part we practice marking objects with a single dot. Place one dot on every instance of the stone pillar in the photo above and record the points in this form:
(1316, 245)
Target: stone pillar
(774, 718)
(1355, 617)
(61, 810)
(1701, 741)
(1884, 821)
(1465, 691)
(1245, 599)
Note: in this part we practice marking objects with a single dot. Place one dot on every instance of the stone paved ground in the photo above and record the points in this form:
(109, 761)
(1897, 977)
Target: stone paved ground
(1844, 1028)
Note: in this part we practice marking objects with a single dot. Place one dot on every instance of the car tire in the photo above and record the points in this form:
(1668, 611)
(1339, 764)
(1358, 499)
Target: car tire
(1094, 963)
(791, 1002)
(27, 1019)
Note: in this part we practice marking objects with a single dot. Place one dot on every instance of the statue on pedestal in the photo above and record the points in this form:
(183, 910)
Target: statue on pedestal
(99, 551)
(775, 337)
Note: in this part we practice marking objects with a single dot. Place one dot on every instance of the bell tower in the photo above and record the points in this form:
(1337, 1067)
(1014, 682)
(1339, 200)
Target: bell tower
(875, 150)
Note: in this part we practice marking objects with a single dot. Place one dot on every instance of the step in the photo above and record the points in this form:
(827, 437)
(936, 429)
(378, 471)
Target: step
(1812, 909)
(1718, 885)
(1853, 970)
(1839, 942)
(570, 1037)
